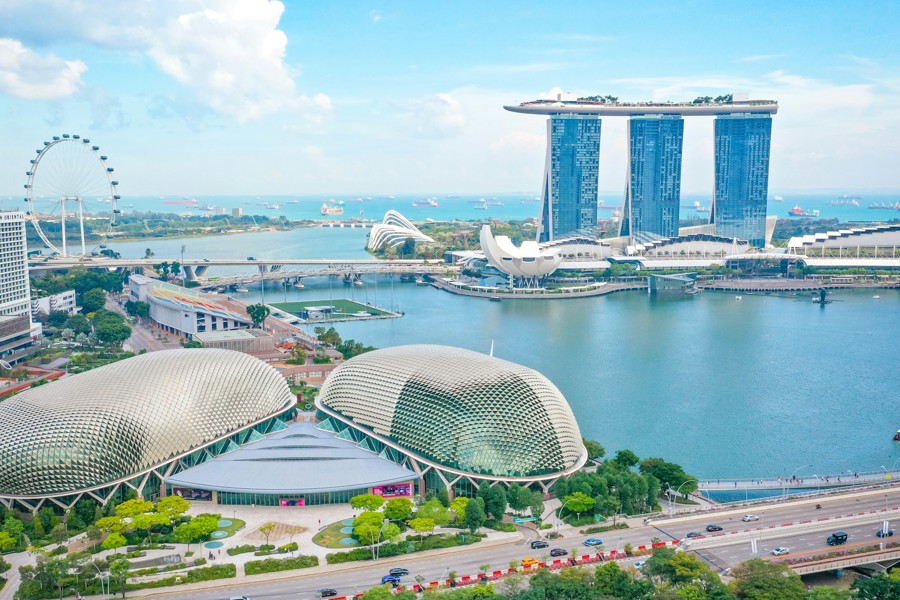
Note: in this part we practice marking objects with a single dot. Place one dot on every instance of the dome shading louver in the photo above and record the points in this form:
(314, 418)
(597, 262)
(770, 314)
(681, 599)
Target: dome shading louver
(113, 422)
(459, 409)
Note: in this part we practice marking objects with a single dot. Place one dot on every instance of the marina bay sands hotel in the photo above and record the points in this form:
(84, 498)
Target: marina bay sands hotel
(743, 130)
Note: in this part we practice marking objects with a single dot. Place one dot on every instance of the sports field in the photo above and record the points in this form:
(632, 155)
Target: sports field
(343, 308)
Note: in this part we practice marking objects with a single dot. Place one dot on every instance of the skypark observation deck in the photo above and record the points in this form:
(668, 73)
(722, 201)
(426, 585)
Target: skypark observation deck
(628, 109)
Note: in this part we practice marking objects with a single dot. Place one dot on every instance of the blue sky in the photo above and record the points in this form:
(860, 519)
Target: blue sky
(192, 97)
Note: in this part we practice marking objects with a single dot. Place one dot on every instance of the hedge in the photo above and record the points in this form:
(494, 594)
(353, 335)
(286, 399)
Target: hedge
(270, 565)
(193, 576)
(241, 549)
(408, 546)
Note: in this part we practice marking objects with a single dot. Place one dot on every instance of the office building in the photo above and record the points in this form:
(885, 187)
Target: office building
(653, 183)
(742, 144)
(16, 329)
(569, 192)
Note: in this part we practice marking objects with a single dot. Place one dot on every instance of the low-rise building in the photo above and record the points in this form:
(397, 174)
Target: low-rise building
(184, 311)
(250, 341)
(63, 301)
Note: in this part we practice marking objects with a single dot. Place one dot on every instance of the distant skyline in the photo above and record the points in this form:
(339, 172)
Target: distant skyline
(255, 97)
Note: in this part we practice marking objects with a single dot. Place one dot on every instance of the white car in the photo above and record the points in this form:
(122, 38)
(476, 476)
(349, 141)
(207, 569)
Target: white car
(780, 550)
(639, 564)
(748, 518)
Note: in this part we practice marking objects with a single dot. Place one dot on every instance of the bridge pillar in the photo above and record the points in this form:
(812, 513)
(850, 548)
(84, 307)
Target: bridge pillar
(189, 273)
(200, 270)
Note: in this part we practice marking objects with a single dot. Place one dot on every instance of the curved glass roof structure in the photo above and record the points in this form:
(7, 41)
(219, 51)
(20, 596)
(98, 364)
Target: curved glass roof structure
(112, 423)
(394, 230)
(458, 410)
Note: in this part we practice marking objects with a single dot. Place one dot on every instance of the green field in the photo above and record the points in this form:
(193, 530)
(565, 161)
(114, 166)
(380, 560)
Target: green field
(343, 308)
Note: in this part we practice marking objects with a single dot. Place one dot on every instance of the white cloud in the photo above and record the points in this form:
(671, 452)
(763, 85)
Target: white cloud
(519, 142)
(375, 16)
(758, 58)
(440, 115)
(229, 54)
(32, 76)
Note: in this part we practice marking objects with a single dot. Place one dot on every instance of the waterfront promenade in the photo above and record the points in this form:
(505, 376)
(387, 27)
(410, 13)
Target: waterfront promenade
(802, 480)
(596, 289)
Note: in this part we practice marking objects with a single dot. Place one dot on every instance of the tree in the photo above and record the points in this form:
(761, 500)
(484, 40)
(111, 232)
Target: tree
(148, 253)
(367, 502)
(494, 500)
(172, 506)
(94, 533)
(433, 509)
(381, 592)
(626, 459)
(93, 300)
(59, 533)
(163, 270)
(132, 508)
(175, 268)
(119, 571)
(519, 497)
(757, 579)
(184, 533)
(594, 449)
(258, 313)
(113, 541)
(398, 509)
(110, 327)
(578, 503)
(537, 504)
(266, 529)
(6, 541)
(14, 527)
(879, 587)
(191, 344)
(475, 515)
(57, 317)
(204, 524)
(823, 592)
(298, 355)
(114, 524)
(458, 506)
(422, 526)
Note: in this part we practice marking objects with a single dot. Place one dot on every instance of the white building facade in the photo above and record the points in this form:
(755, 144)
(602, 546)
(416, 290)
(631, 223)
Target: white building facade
(64, 301)
(15, 293)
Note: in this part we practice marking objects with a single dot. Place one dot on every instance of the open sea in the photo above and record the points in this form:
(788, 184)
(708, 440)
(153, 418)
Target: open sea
(750, 388)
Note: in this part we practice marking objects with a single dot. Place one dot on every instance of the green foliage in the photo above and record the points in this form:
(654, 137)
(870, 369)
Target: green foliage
(879, 587)
(138, 309)
(113, 541)
(398, 509)
(6, 541)
(760, 580)
(434, 510)
(79, 279)
(422, 525)
(458, 507)
(271, 565)
(191, 344)
(329, 337)
(670, 475)
(595, 450)
(351, 348)
(475, 516)
(258, 313)
(432, 542)
(321, 358)
(494, 501)
(367, 502)
(578, 502)
(93, 300)
(110, 327)
(57, 317)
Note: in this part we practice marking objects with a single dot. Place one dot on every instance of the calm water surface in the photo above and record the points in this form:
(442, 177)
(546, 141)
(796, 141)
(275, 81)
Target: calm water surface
(757, 387)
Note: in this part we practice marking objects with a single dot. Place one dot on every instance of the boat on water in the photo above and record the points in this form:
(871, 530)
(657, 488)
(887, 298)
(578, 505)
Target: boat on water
(778, 199)
(496, 299)
(420, 281)
(897, 436)
(242, 290)
(331, 209)
(883, 205)
(358, 282)
(846, 200)
(482, 205)
(427, 203)
(299, 285)
(273, 206)
(802, 212)
(208, 207)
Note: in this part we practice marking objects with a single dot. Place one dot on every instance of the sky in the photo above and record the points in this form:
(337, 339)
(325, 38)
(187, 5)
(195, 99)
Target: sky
(259, 97)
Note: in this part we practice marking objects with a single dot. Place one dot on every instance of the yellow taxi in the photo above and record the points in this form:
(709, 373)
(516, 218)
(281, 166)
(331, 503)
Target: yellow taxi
(530, 562)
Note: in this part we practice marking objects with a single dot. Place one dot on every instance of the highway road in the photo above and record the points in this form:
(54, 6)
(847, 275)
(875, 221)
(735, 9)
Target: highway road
(721, 551)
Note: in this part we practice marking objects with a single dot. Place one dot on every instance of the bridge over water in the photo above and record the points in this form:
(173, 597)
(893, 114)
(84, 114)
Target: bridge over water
(806, 481)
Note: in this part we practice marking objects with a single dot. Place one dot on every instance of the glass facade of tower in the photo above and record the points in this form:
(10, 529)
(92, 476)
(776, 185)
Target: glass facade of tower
(569, 194)
(654, 177)
(742, 176)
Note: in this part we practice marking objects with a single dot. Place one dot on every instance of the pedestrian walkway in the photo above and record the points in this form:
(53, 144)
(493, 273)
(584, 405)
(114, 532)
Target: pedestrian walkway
(804, 481)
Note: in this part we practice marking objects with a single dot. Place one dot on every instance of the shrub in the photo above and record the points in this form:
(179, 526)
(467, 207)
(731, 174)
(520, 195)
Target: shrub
(270, 565)
(241, 549)
(288, 548)
(267, 547)
(546, 526)
(507, 527)
(199, 561)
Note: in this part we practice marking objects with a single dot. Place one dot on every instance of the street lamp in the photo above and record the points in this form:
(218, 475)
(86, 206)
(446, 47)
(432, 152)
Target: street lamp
(377, 549)
(100, 576)
(817, 482)
(785, 484)
(671, 507)
(558, 513)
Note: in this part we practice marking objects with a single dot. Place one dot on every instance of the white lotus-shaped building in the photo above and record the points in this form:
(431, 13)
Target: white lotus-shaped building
(393, 231)
(528, 261)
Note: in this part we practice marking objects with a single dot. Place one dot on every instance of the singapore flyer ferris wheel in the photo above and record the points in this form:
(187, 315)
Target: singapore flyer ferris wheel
(71, 195)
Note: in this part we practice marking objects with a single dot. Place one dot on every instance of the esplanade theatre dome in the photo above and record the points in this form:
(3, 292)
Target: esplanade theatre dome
(111, 424)
(458, 410)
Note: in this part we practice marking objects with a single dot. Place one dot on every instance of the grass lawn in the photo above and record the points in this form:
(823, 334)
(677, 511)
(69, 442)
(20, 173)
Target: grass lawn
(331, 536)
(347, 307)
(236, 524)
